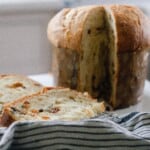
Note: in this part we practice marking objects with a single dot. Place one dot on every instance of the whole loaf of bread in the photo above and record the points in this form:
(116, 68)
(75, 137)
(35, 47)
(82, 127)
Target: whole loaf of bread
(102, 50)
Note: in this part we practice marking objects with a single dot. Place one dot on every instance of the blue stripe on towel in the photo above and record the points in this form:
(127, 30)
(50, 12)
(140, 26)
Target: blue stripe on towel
(105, 132)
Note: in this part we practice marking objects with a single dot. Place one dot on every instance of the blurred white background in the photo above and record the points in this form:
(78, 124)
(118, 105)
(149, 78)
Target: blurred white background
(24, 47)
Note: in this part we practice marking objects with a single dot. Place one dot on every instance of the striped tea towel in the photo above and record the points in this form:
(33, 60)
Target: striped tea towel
(106, 132)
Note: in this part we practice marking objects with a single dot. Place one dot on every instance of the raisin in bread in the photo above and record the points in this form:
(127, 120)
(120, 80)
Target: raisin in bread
(52, 104)
(13, 87)
(102, 50)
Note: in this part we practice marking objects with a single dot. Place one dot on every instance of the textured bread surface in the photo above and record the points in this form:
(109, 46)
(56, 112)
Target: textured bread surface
(80, 66)
(52, 104)
(65, 30)
(132, 28)
(13, 87)
(102, 50)
(131, 79)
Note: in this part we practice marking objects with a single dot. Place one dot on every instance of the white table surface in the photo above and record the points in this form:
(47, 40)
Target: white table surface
(143, 106)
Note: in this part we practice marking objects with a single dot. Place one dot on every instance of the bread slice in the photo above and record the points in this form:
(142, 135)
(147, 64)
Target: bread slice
(52, 104)
(14, 87)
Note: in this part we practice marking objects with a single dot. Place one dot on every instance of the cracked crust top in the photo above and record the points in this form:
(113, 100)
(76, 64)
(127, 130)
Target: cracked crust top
(66, 28)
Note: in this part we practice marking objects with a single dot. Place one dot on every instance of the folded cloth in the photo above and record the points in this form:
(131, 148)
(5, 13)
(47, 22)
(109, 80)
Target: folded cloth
(105, 132)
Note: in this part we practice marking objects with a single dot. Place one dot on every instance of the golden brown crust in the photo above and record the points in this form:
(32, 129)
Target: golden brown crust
(65, 29)
(132, 28)
(6, 118)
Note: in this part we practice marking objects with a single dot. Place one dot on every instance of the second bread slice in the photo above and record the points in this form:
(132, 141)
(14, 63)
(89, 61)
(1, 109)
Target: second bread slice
(52, 104)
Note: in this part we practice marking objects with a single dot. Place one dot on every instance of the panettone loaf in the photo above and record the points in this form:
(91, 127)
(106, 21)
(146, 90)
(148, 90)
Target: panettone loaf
(52, 104)
(14, 87)
(101, 50)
